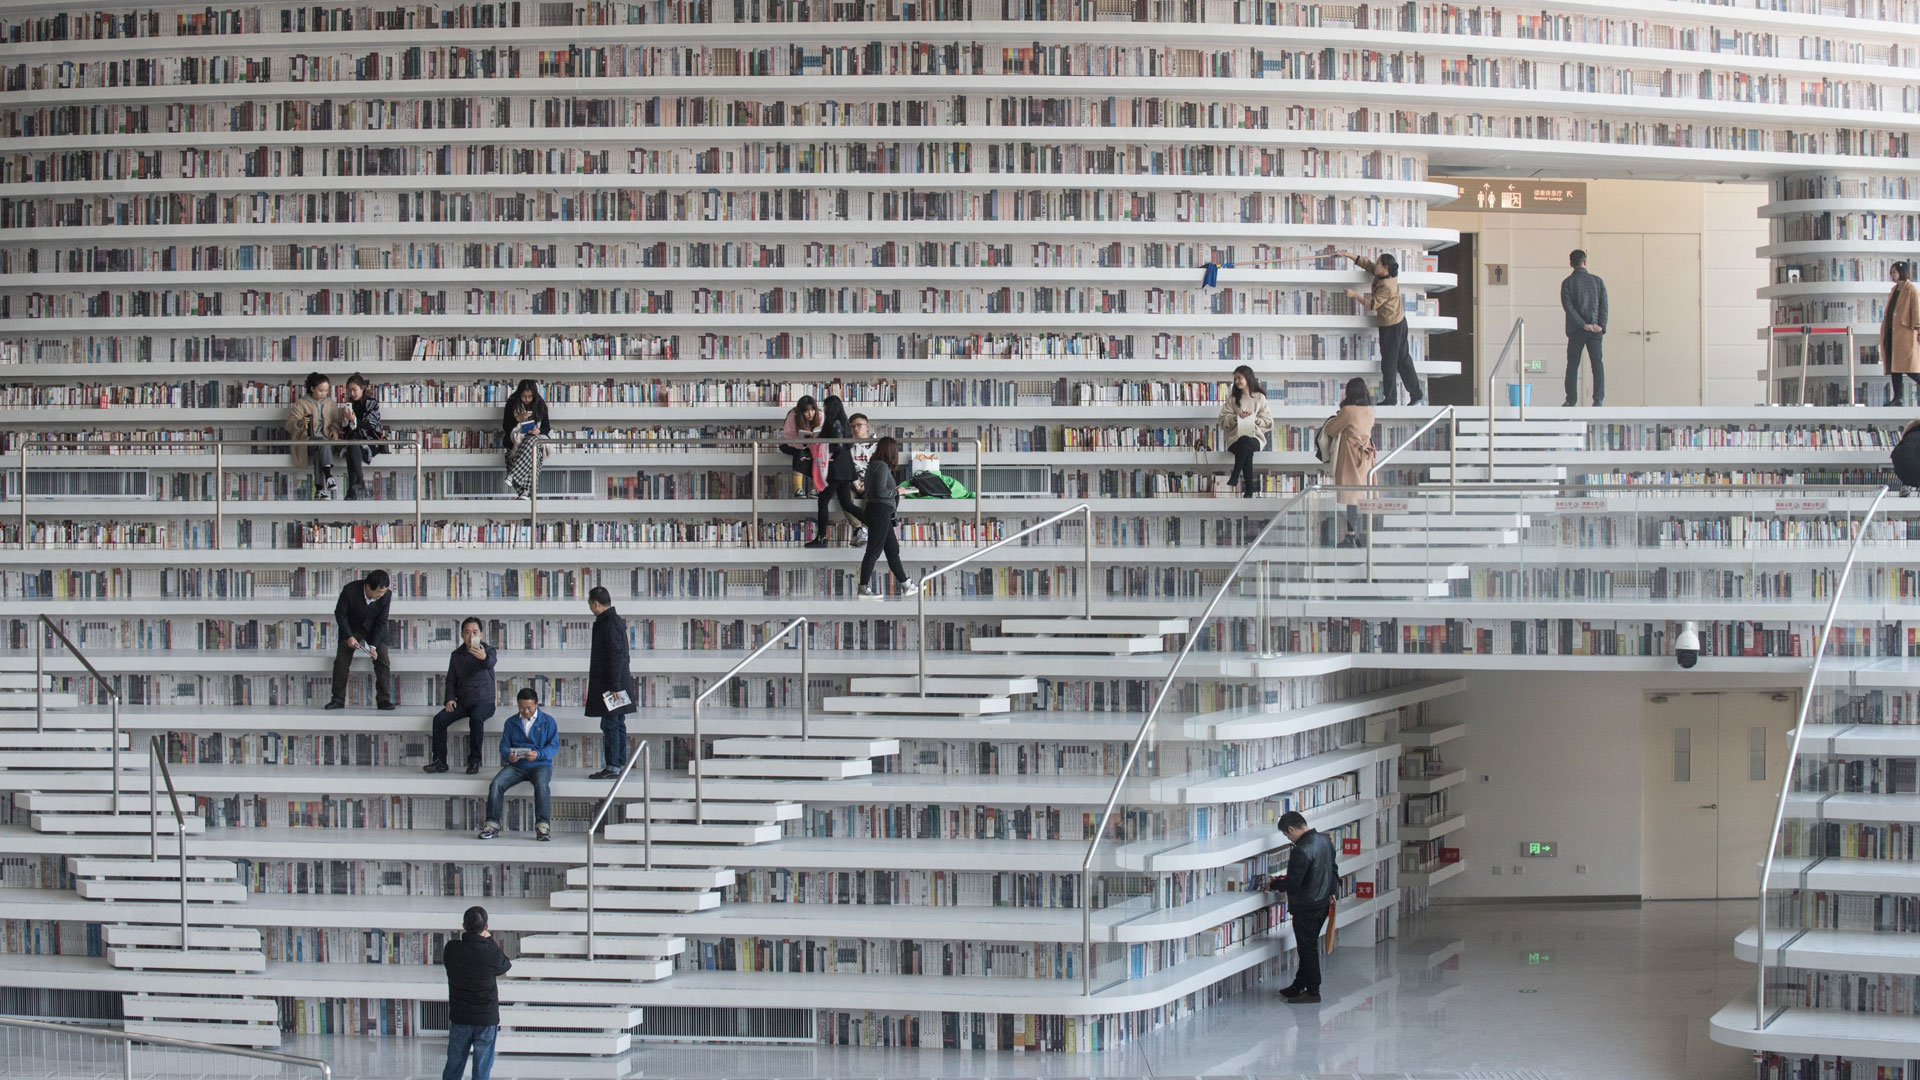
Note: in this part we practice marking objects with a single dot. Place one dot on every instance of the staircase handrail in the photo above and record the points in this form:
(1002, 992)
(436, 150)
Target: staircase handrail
(1760, 1017)
(1086, 582)
(156, 756)
(1194, 632)
(40, 691)
(128, 1038)
(1517, 334)
(641, 753)
(1448, 413)
(798, 623)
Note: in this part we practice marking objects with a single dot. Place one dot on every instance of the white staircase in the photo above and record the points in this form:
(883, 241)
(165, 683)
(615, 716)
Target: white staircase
(1080, 637)
(1524, 450)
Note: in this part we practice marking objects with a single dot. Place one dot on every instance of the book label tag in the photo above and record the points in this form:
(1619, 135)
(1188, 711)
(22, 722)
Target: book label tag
(1800, 506)
(1383, 506)
(1580, 505)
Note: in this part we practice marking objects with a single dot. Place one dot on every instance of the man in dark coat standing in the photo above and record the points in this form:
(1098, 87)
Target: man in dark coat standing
(361, 617)
(474, 964)
(1583, 297)
(1312, 875)
(611, 694)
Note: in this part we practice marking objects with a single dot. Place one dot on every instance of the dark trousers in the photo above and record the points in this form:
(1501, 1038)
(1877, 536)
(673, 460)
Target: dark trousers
(613, 740)
(382, 673)
(476, 716)
(462, 1038)
(880, 517)
(842, 490)
(1591, 343)
(325, 457)
(1396, 359)
(1243, 449)
(1897, 394)
(1306, 943)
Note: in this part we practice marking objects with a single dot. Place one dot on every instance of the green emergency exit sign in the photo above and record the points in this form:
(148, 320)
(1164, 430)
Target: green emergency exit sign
(1540, 849)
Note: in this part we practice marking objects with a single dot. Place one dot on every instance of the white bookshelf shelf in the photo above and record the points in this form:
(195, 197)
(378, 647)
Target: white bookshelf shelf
(1433, 830)
(1430, 878)
(1427, 785)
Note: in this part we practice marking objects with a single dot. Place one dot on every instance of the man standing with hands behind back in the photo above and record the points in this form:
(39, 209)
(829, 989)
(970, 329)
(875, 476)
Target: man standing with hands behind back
(610, 689)
(361, 615)
(474, 965)
(470, 694)
(1584, 298)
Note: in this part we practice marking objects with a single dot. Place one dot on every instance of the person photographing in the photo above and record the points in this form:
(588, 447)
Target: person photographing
(474, 964)
(470, 696)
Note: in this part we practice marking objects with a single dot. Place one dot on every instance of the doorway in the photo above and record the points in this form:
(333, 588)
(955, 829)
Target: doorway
(1461, 344)
(1714, 764)
(1652, 347)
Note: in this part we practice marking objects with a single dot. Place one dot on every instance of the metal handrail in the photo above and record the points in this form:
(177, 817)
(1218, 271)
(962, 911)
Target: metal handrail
(642, 753)
(128, 1038)
(1760, 1017)
(1519, 334)
(40, 700)
(1777, 334)
(1086, 584)
(693, 763)
(157, 756)
(1146, 727)
(753, 477)
(1448, 413)
(47, 445)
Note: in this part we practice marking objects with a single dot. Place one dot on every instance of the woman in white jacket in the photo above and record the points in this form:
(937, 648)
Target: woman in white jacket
(1245, 422)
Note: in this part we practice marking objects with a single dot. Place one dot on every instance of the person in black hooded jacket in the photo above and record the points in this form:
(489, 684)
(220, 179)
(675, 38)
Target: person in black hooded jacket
(474, 965)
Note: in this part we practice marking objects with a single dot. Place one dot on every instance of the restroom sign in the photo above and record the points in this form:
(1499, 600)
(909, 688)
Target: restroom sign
(1492, 195)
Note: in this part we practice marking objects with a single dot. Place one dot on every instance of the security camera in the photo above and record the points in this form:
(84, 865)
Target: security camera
(1686, 647)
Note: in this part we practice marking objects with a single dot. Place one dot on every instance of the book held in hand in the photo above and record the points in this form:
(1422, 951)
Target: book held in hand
(615, 700)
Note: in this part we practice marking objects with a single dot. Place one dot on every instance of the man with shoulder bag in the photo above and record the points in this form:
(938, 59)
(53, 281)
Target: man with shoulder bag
(1311, 878)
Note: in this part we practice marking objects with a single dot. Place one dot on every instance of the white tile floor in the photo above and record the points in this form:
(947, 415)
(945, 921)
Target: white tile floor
(1533, 992)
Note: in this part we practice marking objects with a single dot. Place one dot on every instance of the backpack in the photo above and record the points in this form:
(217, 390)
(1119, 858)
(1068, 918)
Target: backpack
(1325, 446)
(928, 485)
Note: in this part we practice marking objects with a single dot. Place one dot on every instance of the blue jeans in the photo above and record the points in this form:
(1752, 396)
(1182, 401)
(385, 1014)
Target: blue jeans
(461, 1038)
(613, 741)
(539, 774)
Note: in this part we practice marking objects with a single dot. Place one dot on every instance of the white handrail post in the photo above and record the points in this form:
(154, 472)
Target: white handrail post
(805, 681)
(753, 490)
(533, 497)
(979, 487)
(1773, 354)
(1853, 356)
(23, 495)
(1453, 460)
(1520, 368)
(153, 802)
(1264, 636)
(1806, 359)
(920, 641)
(1086, 931)
(219, 492)
(1086, 584)
(590, 862)
(419, 490)
(114, 698)
(180, 849)
(693, 762)
(646, 804)
(40, 677)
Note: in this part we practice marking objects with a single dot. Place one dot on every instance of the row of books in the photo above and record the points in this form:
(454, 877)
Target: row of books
(1848, 840)
(1871, 775)
(924, 888)
(1569, 637)
(1814, 909)
(1243, 758)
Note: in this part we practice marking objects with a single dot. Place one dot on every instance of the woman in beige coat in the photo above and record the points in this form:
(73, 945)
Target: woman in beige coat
(1900, 333)
(1245, 422)
(1351, 430)
(317, 416)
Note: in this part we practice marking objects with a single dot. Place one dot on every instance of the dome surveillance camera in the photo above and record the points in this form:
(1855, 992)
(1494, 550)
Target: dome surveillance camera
(1686, 647)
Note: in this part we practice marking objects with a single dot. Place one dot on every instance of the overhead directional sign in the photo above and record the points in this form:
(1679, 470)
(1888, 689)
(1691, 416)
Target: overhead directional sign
(1492, 195)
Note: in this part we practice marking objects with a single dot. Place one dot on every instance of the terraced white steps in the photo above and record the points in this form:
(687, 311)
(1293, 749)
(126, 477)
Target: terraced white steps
(1373, 589)
(231, 961)
(110, 823)
(610, 899)
(62, 740)
(805, 748)
(604, 945)
(67, 760)
(1510, 424)
(631, 877)
(1449, 521)
(597, 970)
(169, 869)
(188, 1008)
(1448, 538)
(23, 699)
(1089, 646)
(69, 802)
(942, 685)
(781, 768)
(1098, 627)
(1387, 572)
(932, 705)
(568, 1019)
(255, 1035)
(713, 832)
(750, 813)
(168, 937)
(591, 1043)
(17, 680)
(1501, 473)
(206, 892)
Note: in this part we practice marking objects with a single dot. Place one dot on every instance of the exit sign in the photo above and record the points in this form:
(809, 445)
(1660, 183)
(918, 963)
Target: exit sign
(1539, 849)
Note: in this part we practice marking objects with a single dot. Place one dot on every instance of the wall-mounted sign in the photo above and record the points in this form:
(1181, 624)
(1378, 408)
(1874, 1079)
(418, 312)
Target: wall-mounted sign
(1498, 196)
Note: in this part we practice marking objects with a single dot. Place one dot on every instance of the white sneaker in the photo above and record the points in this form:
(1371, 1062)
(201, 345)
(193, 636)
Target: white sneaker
(868, 592)
(332, 489)
(908, 587)
(860, 537)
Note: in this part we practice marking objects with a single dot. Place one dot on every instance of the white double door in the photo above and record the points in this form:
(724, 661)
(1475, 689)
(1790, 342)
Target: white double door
(1712, 778)
(1652, 348)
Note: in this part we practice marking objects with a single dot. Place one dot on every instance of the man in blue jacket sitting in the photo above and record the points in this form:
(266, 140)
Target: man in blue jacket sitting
(527, 745)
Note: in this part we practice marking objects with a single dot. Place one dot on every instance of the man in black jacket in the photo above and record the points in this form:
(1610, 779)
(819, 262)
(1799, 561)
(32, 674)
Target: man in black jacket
(1312, 874)
(609, 681)
(361, 615)
(1583, 297)
(473, 964)
(470, 694)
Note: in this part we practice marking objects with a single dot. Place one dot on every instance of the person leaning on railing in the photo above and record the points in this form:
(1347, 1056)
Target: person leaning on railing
(833, 467)
(315, 415)
(802, 423)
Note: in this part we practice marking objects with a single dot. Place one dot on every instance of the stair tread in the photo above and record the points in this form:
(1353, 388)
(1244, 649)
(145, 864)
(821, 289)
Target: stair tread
(162, 959)
(610, 1018)
(671, 877)
(808, 748)
(204, 869)
(1108, 627)
(255, 1035)
(1113, 646)
(595, 970)
(942, 685)
(918, 706)
(754, 813)
(783, 768)
(604, 945)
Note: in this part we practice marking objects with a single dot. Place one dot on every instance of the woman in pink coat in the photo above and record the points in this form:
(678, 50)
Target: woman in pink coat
(1351, 430)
